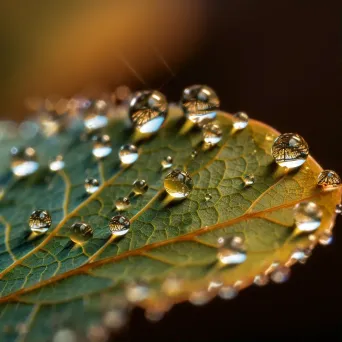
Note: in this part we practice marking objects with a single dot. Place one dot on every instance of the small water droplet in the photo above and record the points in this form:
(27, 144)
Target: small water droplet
(326, 238)
(140, 187)
(328, 179)
(228, 292)
(208, 197)
(248, 180)
(115, 319)
(23, 161)
(194, 154)
(40, 221)
(290, 150)
(91, 185)
(178, 184)
(280, 274)
(231, 250)
(261, 280)
(119, 225)
(301, 254)
(148, 110)
(200, 103)
(136, 292)
(51, 122)
(199, 297)
(172, 286)
(81, 232)
(240, 120)
(212, 133)
(214, 285)
(167, 162)
(57, 164)
(269, 137)
(102, 146)
(307, 216)
(128, 154)
(122, 203)
(64, 335)
(338, 209)
(95, 116)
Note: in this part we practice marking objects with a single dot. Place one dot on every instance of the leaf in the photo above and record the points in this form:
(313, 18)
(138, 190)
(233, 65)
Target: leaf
(49, 283)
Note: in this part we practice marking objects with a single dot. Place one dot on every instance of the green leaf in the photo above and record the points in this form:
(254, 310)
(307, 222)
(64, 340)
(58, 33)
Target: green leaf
(48, 283)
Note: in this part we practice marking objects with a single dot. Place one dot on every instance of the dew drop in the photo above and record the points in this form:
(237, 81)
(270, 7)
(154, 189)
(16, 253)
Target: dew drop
(91, 185)
(81, 232)
(231, 250)
(122, 203)
(328, 179)
(148, 110)
(178, 184)
(326, 238)
(248, 180)
(136, 292)
(338, 209)
(167, 162)
(40, 221)
(51, 122)
(228, 292)
(194, 154)
(24, 161)
(269, 137)
(261, 280)
(200, 103)
(57, 164)
(119, 225)
(208, 197)
(307, 216)
(240, 120)
(115, 319)
(64, 335)
(128, 154)
(214, 285)
(140, 187)
(301, 255)
(95, 116)
(280, 274)
(290, 150)
(199, 297)
(212, 133)
(172, 286)
(102, 146)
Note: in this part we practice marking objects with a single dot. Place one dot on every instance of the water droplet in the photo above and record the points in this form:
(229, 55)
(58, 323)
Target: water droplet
(194, 154)
(167, 162)
(301, 254)
(52, 122)
(214, 285)
(64, 335)
(40, 221)
(338, 209)
(200, 103)
(95, 116)
(208, 197)
(326, 238)
(280, 274)
(290, 150)
(231, 250)
(248, 180)
(261, 280)
(148, 110)
(57, 164)
(102, 146)
(178, 184)
(119, 225)
(136, 292)
(307, 216)
(328, 179)
(269, 137)
(97, 333)
(172, 286)
(228, 292)
(114, 319)
(128, 154)
(154, 315)
(91, 185)
(140, 187)
(24, 161)
(212, 133)
(240, 120)
(81, 232)
(122, 203)
(199, 297)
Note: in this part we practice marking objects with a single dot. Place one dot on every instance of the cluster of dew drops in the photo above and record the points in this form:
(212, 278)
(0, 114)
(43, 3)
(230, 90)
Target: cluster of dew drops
(147, 111)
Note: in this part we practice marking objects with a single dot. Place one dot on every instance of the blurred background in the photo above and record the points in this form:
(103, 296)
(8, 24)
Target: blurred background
(277, 60)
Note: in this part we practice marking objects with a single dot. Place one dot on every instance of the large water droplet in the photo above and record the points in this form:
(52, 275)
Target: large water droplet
(280, 274)
(231, 250)
(148, 110)
(228, 292)
(57, 164)
(200, 103)
(307, 216)
(91, 185)
(328, 179)
(122, 203)
(40, 221)
(24, 161)
(95, 116)
(140, 187)
(178, 184)
(128, 154)
(240, 120)
(167, 162)
(261, 280)
(81, 232)
(248, 180)
(290, 150)
(102, 146)
(119, 225)
(338, 209)
(212, 133)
